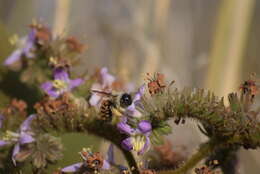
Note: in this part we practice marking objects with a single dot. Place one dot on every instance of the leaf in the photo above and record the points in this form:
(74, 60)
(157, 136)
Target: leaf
(156, 138)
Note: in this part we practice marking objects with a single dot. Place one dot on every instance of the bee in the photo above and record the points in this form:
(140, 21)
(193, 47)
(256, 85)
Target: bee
(113, 104)
(106, 110)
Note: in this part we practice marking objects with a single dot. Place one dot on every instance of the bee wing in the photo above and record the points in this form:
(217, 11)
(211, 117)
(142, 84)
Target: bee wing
(104, 93)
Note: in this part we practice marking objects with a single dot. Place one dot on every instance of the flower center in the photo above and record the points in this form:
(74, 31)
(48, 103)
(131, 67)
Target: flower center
(138, 142)
(60, 84)
(11, 136)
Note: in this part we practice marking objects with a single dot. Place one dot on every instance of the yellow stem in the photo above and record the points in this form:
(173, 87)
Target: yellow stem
(229, 45)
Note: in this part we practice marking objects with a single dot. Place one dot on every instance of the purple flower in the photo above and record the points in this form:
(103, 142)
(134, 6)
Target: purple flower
(138, 139)
(106, 163)
(105, 85)
(24, 136)
(145, 126)
(131, 110)
(61, 83)
(127, 144)
(26, 49)
(125, 128)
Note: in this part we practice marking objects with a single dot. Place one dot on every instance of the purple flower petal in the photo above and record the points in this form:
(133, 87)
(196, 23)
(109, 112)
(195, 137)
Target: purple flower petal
(25, 138)
(30, 44)
(49, 89)
(139, 94)
(3, 143)
(54, 93)
(132, 111)
(32, 35)
(15, 56)
(76, 82)
(145, 147)
(47, 86)
(94, 99)
(127, 144)
(16, 150)
(106, 165)
(72, 168)
(25, 126)
(110, 154)
(125, 128)
(145, 126)
(107, 79)
(61, 74)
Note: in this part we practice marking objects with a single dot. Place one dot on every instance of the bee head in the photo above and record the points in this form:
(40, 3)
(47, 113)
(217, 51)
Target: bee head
(125, 100)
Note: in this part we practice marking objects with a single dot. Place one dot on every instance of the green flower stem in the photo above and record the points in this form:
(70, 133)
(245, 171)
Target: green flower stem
(130, 160)
(204, 151)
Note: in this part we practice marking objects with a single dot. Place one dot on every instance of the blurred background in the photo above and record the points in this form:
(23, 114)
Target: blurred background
(210, 44)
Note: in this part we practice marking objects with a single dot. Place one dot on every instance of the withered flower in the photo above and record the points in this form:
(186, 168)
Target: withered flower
(42, 33)
(51, 106)
(94, 161)
(203, 170)
(16, 105)
(91, 162)
(207, 169)
(156, 84)
(250, 87)
(75, 45)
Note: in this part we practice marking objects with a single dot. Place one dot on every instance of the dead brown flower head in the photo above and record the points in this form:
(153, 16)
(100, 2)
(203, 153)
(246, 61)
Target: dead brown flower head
(75, 45)
(156, 84)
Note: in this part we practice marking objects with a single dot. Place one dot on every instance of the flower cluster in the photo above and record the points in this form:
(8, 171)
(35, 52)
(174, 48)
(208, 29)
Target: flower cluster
(23, 136)
(138, 132)
(92, 161)
(27, 46)
(130, 121)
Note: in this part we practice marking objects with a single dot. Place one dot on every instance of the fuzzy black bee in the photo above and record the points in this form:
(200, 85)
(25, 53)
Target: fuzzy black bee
(113, 104)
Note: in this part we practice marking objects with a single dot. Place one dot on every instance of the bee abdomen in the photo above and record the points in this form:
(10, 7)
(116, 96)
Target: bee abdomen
(105, 110)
